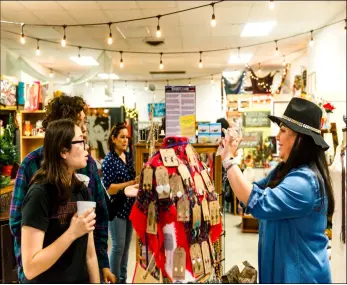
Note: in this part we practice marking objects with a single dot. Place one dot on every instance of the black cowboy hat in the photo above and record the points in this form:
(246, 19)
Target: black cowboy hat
(303, 116)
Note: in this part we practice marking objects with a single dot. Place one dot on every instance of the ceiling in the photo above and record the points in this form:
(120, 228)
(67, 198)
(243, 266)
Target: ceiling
(188, 31)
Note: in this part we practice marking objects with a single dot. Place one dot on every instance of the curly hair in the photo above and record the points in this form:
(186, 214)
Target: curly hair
(64, 107)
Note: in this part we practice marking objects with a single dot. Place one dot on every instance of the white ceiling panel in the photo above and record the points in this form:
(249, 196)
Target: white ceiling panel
(156, 4)
(11, 6)
(118, 5)
(41, 6)
(78, 5)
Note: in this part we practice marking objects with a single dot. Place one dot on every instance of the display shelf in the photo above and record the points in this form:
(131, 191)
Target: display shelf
(29, 143)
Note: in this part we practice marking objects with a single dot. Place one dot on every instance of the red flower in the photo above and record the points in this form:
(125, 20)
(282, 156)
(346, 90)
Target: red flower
(329, 108)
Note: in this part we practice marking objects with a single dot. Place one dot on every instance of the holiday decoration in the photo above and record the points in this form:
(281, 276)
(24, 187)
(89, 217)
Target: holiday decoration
(177, 214)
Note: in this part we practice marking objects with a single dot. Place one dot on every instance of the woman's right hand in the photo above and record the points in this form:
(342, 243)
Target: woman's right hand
(81, 225)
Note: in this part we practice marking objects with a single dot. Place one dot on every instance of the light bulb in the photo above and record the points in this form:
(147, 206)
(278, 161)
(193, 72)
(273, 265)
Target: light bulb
(110, 40)
(201, 64)
(67, 79)
(121, 64)
(161, 65)
(51, 74)
(213, 21)
(158, 33)
(271, 5)
(63, 42)
(146, 87)
(276, 52)
(311, 43)
(38, 51)
(22, 39)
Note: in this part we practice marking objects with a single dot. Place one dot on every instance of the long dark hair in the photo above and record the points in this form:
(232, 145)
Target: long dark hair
(114, 133)
(58, 137)
(306, 152)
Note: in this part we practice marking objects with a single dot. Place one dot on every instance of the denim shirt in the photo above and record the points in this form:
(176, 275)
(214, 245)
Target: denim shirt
(292, 240)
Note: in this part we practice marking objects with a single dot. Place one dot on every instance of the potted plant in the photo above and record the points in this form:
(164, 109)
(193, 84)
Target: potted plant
(8, 151)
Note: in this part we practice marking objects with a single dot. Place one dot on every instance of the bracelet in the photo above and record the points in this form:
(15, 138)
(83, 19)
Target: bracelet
(229, 166)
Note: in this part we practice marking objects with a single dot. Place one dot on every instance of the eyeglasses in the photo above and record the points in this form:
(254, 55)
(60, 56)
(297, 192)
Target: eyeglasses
(81, 141)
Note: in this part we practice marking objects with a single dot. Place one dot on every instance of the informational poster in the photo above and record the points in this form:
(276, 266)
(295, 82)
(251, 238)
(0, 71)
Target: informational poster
(180, 101)
(187, 125)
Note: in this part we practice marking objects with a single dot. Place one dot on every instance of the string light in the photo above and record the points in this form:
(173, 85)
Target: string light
(38, 48)
(311, 40)
(276, 51)
(146, 86)
(79, 52)
(22, 38)
(200, 62)
(271, 5)
(212, 80)
(213, 20)
(110, 40)
(126, 85)
(51, 74)
(158, 33)
(63, 41)
(121, 63)
(259, 68)
(161, 65)
(189, 84)
(284, 60)
(167, 82)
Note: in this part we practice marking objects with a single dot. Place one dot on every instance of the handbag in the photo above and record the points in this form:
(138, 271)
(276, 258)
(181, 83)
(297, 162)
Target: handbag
(144, 276)
(113, 203)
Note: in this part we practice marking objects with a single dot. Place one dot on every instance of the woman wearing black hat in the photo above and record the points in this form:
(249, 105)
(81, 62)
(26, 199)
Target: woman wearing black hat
(292, 203)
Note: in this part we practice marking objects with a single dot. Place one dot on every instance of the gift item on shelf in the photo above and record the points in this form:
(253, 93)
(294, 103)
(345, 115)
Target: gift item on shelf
(177, 214)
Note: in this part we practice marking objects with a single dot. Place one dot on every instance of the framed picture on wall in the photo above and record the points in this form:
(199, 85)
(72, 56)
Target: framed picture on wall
(311, 84)
(244, 103)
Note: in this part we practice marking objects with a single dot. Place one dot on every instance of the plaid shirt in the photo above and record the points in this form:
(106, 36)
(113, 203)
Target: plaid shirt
(30, 164)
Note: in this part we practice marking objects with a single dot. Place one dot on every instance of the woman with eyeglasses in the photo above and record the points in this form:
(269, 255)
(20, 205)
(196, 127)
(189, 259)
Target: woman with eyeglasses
(57, 245)
(118, 173)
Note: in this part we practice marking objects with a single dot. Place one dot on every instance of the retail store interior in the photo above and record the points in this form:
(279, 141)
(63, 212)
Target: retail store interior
(171, 69)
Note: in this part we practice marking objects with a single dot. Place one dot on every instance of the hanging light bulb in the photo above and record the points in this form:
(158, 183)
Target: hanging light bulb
(38, 48)
(200, 61)
(213, 20)
(22, 38)
(79, 52)
(246, 65)
(259, 68)
(63, 41)
(110, 40)
(158, 33)
(161, 65)
(146, 86)
(238, 52)
(121, 63)
(284, 60)
(311, 40)
(68, 79)
(189, 84)
(276, 51)
(271, 5)
(126, 85)
(51, 74)
(212, 80)
(167, 82)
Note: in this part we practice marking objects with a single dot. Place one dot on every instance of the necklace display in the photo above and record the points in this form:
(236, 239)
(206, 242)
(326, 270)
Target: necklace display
(178, 200)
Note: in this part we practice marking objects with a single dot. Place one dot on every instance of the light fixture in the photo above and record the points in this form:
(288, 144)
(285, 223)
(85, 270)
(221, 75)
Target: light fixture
(110, 40)
(284, 60)
(121, 63)
(213, 20)
(161, 65)
(158, 33)
(200, 61)
(51, 74)
(106, 76)
(258, 29)
(241, 59)
(247, 65)
(212, 80)
(126, 87)
(311, 40)
(84, 60)
(63, 41)
(79, 52)
(68, 79)
(276, 51)
(167, 82)
(189, 84)
(146, 86)
(38, 48)
(259, 68)
(238, 52)
(271, 5)
(22, 38)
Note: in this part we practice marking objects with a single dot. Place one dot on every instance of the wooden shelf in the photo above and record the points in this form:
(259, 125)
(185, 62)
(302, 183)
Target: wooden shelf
(32, 137)
(8, 108)
(249, 224)
(33, 112)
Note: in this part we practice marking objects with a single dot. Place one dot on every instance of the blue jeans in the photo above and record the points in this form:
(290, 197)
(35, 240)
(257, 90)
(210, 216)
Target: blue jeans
(121, 231)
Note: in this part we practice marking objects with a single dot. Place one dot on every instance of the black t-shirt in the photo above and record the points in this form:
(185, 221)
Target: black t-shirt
(40, 211)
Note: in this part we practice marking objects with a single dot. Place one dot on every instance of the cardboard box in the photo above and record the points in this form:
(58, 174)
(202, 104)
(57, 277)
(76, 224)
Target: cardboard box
(215, 128)
(203, 128)
(204, 138)
(215, 138)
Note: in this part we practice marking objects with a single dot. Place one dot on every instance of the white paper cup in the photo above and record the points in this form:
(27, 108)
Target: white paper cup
(83, 206)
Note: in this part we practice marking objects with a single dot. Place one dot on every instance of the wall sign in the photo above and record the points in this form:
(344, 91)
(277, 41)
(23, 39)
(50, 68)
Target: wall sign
(256, 119)
(251, 139)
